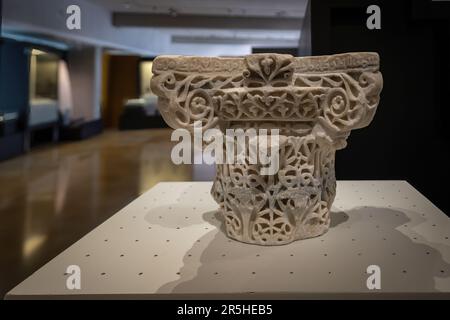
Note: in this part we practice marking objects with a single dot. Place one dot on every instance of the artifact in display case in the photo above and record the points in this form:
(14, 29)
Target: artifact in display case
(309, 104)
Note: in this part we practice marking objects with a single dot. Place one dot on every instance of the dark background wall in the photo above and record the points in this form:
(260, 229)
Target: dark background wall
(118, 90)
(292, 51)
(14, 76)
(305, 39)
(14, 66)
(408, 136)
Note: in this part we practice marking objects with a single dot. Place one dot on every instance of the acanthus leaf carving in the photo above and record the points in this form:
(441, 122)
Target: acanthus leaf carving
(315, 102)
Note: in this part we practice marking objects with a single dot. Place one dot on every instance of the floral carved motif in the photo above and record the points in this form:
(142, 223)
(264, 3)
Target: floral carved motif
(314, 101)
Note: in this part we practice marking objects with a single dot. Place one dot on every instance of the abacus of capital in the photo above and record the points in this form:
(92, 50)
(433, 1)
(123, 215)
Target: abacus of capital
(314, 102)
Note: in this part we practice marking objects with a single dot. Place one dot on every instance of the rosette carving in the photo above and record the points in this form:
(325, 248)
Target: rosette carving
(268, 69)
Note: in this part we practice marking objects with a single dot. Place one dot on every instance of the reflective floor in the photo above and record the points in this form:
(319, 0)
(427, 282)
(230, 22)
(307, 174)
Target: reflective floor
(54, 195)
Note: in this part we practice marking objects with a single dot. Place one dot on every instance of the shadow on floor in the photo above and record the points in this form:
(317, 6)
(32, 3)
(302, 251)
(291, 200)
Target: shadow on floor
(335, 262)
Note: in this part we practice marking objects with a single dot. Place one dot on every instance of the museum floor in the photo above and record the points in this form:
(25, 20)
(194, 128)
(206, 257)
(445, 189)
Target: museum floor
(54, 195)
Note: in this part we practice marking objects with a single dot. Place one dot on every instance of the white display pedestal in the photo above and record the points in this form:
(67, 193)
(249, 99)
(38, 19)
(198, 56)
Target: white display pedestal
(168, 244)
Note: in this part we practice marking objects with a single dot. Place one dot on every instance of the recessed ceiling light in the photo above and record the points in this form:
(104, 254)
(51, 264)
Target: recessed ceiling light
(37, 52)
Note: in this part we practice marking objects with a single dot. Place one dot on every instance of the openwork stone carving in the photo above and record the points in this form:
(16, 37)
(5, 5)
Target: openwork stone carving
(314, 101)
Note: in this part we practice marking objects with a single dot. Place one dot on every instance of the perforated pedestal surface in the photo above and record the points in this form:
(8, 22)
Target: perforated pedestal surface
(169, 243)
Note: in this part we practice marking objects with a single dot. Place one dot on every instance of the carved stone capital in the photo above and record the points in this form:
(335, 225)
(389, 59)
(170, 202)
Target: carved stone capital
(314, 101)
